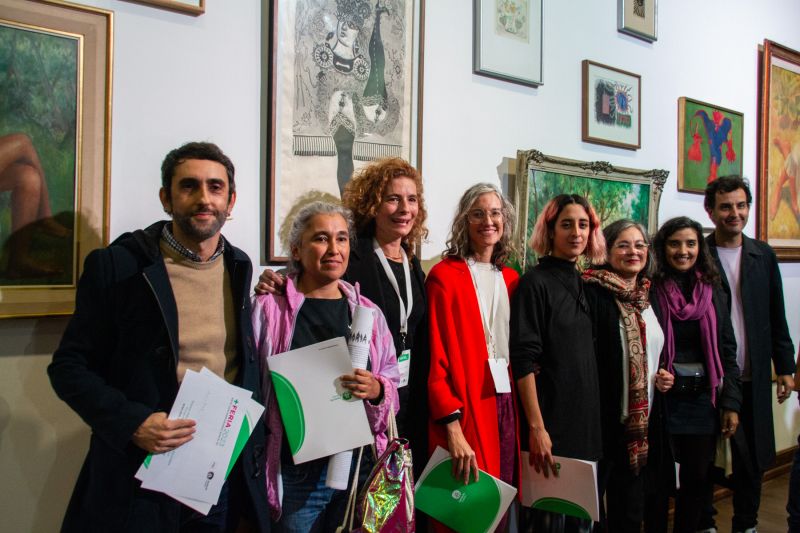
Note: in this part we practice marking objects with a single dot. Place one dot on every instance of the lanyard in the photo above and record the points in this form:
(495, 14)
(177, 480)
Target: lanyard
(404, 312)
(487, 318)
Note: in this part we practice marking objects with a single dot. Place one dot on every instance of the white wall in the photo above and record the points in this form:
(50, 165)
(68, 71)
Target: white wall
(179, 78)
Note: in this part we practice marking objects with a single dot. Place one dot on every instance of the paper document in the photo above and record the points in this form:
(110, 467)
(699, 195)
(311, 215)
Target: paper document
(225, 416)
(474, 508)
(319, 415)
(572, 492)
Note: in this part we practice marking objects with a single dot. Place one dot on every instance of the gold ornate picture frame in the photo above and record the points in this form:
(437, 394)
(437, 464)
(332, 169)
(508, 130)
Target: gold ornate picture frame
(55, 140)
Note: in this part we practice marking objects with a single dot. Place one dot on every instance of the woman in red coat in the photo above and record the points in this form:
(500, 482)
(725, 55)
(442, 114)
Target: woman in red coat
(472, 412)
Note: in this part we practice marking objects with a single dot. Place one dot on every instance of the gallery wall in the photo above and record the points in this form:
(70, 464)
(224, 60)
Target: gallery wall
(179, 78)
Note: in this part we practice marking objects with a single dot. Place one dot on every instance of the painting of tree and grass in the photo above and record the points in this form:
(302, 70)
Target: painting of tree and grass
(611, 199)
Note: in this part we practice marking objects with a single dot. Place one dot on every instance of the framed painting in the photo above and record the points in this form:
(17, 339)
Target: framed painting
(638, 18)
(709, 144)
(779, 151)
(343, 88)
(507, 40)
(191, 7)
(614, 192)
(612, 106)
(55, 123)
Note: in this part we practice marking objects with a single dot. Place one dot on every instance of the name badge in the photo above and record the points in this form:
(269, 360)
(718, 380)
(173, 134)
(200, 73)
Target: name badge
(404, 365)
(499, 368)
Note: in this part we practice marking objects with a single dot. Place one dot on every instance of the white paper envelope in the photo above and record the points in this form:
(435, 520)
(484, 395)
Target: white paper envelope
(320, 417)
(573, 492)
(474, 508)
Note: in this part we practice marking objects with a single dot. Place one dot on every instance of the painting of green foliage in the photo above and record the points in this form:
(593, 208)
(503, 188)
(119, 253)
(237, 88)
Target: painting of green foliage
(39, 94)
(611, 199)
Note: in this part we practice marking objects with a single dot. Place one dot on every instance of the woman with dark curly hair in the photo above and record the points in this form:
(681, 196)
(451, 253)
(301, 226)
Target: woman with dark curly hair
(389, 213)
(700, 351)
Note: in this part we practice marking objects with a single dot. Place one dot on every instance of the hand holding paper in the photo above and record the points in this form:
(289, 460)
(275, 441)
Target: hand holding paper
(362, 384)
(159, 434)
(541, 455)
(461, 452)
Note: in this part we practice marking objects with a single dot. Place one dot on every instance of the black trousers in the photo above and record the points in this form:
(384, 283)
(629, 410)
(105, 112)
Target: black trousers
(624, 497)
(745, 481)
(695, 453)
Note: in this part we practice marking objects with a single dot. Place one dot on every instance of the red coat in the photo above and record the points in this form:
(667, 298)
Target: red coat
(460, 377)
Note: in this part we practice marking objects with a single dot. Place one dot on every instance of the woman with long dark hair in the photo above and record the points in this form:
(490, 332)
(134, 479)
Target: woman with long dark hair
(700, 350)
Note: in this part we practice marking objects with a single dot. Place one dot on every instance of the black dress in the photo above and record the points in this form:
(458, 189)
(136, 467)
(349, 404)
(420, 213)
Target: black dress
(365, 268)
(551, 334)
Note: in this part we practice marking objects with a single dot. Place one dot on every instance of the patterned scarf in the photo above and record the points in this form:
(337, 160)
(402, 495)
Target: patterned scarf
(631, 303)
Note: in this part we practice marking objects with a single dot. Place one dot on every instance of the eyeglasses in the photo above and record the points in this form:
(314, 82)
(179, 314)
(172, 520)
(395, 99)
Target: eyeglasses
(626, 247)
(476, 216)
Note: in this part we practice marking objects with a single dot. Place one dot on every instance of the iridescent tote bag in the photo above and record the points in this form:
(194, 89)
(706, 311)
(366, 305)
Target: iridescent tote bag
(386, 502)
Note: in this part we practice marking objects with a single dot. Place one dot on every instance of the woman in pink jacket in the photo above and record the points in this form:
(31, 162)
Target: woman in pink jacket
(317, 306)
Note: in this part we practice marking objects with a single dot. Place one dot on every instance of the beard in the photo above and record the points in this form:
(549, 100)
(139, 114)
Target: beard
(196, 231)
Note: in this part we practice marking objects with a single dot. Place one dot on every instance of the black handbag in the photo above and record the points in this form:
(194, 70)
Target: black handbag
(689, 377)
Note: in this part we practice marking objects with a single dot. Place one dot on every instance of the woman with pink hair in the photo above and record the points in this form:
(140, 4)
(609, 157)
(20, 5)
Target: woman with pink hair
(552, 353)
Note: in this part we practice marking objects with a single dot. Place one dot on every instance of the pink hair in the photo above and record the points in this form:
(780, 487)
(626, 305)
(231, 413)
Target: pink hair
(542, 242)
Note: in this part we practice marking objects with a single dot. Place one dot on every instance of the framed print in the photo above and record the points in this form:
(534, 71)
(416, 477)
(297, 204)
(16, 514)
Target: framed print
(55, 123)
(614, 192)
(343, 88)
(507, 40)
(191, 7)
(779, 151)
(638, 18)
(709, 144)
(612, 106)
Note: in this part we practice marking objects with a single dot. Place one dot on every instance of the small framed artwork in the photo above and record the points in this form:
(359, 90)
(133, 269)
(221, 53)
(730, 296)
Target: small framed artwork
(638, 18)
(342, 88)
(709, 144)
(615, 192)
(612, 106)
(779, 151)
(190, 7)
(55, 127)
(507, 42)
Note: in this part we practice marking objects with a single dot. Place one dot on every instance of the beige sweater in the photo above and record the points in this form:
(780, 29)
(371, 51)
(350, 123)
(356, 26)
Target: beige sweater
(206, 319)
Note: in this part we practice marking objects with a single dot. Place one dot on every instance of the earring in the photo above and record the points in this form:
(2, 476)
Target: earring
(228, 216)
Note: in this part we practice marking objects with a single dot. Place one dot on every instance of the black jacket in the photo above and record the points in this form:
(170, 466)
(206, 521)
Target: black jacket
(116, 365)
(363, 269)
(608, 350)
(766, 331)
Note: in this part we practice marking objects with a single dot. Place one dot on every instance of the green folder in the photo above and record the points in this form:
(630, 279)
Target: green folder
(473, 508)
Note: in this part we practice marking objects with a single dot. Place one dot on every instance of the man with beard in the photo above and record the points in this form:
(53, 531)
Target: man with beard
(753, 283)
(153, 304)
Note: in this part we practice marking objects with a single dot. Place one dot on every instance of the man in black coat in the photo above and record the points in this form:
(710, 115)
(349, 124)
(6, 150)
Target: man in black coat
(153, 304)
(753, 283)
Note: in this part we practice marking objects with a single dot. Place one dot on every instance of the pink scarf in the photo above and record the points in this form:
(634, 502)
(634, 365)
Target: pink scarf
(675, 307)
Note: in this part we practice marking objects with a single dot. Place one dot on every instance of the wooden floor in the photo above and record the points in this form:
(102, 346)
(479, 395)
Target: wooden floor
(771, 515)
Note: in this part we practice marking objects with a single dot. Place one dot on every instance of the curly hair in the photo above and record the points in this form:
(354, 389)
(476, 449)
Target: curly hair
(704, 264)
(458, 243)
(363, 195)
(726, 184)
(542, 240)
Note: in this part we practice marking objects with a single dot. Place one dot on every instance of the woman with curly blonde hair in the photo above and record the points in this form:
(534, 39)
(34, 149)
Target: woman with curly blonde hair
(472, 409)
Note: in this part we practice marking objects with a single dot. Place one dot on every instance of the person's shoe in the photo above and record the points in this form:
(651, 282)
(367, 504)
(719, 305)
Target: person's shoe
(707, 530)
(748, 530)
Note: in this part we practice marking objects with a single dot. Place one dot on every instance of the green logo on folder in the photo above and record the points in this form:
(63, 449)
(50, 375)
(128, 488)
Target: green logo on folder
(291, 412)
(467, 508)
